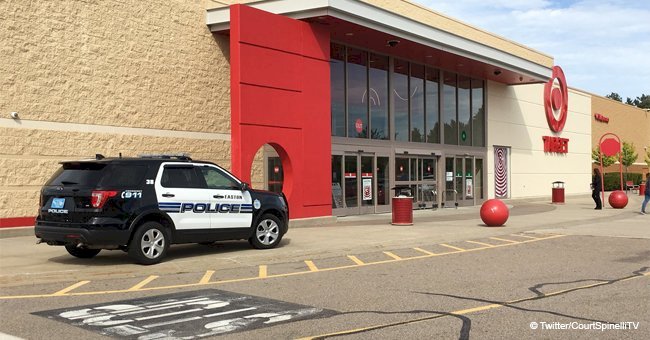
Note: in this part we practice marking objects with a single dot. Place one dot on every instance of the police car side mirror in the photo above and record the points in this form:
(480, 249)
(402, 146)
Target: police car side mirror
(244, 186)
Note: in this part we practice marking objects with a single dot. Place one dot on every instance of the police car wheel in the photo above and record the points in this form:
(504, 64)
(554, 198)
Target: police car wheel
(149, 243)
(82, 253)
(268, 232)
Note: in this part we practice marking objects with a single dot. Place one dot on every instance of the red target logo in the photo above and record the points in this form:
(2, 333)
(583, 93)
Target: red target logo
(556, 98)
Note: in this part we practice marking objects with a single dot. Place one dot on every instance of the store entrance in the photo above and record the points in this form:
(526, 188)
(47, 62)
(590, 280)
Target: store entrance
(418, 173)
(360, 183)
(463, 181)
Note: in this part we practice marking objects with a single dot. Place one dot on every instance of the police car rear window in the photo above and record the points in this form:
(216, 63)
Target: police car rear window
(77, 174)
(123, 175)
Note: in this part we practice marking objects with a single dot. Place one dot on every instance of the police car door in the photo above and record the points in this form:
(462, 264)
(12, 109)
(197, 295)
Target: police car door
(231, 207)
(181, 193)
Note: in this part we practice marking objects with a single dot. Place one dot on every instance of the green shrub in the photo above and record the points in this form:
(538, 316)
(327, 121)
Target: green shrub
(613, 180)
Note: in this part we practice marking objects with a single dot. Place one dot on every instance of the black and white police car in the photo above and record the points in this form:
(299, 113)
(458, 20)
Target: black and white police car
(142, 205)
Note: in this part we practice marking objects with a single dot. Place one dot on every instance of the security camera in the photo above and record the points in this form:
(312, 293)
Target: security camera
(497, 72)
(392, 43)
(14, 115)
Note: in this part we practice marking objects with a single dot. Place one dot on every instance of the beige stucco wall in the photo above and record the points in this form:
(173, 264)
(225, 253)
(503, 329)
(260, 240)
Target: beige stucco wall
(629, 123)
(516, 118)
(90, 67)
(429, 17)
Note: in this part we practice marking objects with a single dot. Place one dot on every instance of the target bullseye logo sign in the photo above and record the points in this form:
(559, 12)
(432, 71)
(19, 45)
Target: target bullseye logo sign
(556, 99)
(556, 104)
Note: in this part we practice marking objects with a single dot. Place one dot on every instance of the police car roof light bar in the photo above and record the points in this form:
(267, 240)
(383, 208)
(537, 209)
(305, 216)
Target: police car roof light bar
(179, 156)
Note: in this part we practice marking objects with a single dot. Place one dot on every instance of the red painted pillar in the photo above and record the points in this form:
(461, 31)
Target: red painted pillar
(280, 95)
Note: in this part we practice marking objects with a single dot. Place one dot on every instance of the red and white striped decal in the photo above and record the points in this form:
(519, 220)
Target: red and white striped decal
(501, 172)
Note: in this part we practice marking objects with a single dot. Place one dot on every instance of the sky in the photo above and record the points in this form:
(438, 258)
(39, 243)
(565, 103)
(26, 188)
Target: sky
(603, 46)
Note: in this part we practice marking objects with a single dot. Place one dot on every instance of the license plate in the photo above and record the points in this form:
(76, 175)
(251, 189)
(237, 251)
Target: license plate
(58, 203)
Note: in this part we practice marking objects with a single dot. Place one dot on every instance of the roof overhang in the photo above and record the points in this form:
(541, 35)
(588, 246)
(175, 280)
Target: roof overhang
(507, 67)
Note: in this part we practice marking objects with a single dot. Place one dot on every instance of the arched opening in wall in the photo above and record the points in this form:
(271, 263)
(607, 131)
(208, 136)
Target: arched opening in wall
(267, 172)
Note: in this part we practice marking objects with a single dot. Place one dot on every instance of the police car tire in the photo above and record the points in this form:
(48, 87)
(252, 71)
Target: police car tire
(267, 232)
(160, 237)
(82, 253)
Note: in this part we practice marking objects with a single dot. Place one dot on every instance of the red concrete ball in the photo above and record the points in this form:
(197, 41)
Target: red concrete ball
(617, 199)
(494, 213)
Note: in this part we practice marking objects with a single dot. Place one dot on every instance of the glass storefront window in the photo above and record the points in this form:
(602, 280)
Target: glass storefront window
(401, 169)
(423, 100)
(351, 182)
(432, 110)
(275, 175)
(413, 167)
(449, 109)
(416, 93)
(337, 182)
(367, 181)
(378, 97)
(478, 179)
(337, 79)
(357, 90)
(469, 180)
(429, 169)
(383, 177)
(464, 116)
(401, 99)
(478, 113)
(459, 178)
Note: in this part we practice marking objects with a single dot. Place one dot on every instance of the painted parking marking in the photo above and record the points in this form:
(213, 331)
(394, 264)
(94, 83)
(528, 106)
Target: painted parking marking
(265, 275)
(206, 277)
(502, 239)
(356, 260)
(457, 249)
(312, 267)
(395, 257)
(481, 243)
(143, 283)
(188, 315)
(5, 336)
(263, 271)
(524, 236)
(426, 252)
(70, 288)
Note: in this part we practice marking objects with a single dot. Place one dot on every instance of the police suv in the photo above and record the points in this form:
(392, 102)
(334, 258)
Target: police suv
(142, 205)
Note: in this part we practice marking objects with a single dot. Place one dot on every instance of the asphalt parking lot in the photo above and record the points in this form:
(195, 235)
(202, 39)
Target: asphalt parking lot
(450, 278)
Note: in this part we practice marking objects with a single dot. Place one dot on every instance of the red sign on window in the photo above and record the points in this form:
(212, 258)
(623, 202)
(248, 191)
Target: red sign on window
(358, 124)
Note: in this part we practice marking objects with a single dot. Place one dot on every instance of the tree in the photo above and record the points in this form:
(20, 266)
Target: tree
(615, 96)
(628, 156)
(607, 160)
(629, 101)
(642, 102)
(647, 158)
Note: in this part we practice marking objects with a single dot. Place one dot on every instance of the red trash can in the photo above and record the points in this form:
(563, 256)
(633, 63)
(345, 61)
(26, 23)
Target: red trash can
(557, 196)
(642, 189)
(402, 210)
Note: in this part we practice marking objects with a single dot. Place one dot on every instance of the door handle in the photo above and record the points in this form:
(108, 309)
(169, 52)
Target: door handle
(168, 195)
(218, 196)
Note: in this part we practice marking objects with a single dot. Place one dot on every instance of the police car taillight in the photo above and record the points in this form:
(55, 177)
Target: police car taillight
(100, 197)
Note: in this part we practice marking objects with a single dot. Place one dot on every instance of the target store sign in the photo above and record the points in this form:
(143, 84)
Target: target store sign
(556, 105)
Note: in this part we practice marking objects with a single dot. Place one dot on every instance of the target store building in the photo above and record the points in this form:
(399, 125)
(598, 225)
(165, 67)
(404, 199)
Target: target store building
(333, 102)
(359, 97)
